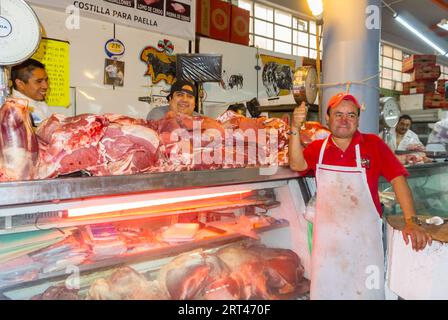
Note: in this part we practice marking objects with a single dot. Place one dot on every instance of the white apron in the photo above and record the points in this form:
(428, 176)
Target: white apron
(347, 259)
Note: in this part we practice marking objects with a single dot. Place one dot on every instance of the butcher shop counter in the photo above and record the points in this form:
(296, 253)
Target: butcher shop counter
(410, 274)
(78, 238)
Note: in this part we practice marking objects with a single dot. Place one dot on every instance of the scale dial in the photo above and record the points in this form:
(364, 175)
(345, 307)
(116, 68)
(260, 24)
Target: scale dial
(390, 111)
(20, 32)
(304, 85)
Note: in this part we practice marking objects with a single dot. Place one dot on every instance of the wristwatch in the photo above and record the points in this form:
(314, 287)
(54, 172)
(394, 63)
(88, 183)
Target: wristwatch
(294, 133)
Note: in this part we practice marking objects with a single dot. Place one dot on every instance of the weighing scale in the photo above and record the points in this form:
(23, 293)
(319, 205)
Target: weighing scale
(389, 116)
(20, 35)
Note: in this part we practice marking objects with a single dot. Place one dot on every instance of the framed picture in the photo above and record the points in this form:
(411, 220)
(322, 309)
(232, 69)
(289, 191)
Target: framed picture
(114, 72)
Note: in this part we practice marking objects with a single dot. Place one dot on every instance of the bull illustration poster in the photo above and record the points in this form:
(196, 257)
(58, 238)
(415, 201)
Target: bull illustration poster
(277, 75)
(160, 61)
(233, 81)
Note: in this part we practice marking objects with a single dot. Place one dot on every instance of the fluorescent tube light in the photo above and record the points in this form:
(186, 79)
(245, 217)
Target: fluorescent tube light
(420, 35)
(83, 211)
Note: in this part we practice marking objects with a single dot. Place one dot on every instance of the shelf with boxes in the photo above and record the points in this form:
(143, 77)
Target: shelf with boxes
(223, 21)
(424, 73)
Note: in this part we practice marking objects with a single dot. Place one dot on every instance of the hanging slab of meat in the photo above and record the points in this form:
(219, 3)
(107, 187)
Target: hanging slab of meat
(125, 284)
(129, 149)
(71, 144)
(313, 130)
(18, 143)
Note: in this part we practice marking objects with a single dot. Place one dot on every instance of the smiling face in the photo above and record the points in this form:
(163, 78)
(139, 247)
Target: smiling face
(182, 102)
(37, 85)
(403, 126)
(343, 120)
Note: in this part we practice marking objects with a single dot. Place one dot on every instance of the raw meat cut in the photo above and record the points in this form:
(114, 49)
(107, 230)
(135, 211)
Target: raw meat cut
(252, 139)
(59, 292)
(124, 120)
(71, 144)
(311, 131)
(18, 143)
(246, 268)
(283, 268)
(125, 284)
(186, 139)
(128, 149)
(195, 275)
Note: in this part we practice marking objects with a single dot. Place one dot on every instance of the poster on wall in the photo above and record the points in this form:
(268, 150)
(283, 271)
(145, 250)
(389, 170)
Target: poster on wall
(160, 62)
(54, 54)
(277, 75)
(176, 18)
(114, 72)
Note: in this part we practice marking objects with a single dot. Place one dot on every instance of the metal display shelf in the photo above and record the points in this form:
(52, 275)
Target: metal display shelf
(33, 191)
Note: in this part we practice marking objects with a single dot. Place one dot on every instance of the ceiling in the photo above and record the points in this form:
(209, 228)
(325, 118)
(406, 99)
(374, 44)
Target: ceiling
(422, 14)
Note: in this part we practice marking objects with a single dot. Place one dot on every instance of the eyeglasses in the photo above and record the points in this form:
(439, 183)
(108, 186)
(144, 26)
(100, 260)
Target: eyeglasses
(350, 115)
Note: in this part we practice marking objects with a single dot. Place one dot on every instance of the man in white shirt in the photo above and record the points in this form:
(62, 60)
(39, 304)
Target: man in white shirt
(403, 138)
(30, 82)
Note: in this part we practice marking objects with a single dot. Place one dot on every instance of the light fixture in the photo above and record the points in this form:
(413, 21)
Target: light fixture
(420, 35)
(443, 24)
(103, 208)
(413, 30)
(316, 7)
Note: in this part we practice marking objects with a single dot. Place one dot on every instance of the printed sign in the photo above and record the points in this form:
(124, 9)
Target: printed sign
(54, 54)
(114, 48)
(172, 17)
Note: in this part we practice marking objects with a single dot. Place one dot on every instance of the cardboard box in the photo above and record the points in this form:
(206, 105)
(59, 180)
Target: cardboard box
(418, 61)
(411, 102)
(414, 87)
(239, 27)
(213, 19)
(434, 100)
(430, 73)
(441, 86)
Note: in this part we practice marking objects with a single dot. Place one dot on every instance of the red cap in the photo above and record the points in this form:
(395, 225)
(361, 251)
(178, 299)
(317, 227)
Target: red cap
(336, 99)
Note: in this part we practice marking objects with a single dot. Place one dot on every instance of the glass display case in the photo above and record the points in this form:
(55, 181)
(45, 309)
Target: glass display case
(224, 234)
(429, 185)
(421, 274)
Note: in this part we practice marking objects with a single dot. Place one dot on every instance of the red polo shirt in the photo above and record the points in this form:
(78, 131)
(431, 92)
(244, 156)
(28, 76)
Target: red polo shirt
(381, 160)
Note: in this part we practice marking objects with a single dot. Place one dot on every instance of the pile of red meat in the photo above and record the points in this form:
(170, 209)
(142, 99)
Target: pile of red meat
(113, 144)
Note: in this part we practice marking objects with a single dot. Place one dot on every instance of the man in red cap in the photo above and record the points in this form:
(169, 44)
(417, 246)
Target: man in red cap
(347, 256)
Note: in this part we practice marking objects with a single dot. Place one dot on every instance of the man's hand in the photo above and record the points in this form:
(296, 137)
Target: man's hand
(416, 147)
(419, 237)
(298, 116)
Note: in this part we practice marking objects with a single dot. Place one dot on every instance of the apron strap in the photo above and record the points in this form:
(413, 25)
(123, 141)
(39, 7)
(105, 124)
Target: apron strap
(358, 157)
(322, 150)
(357, 151)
